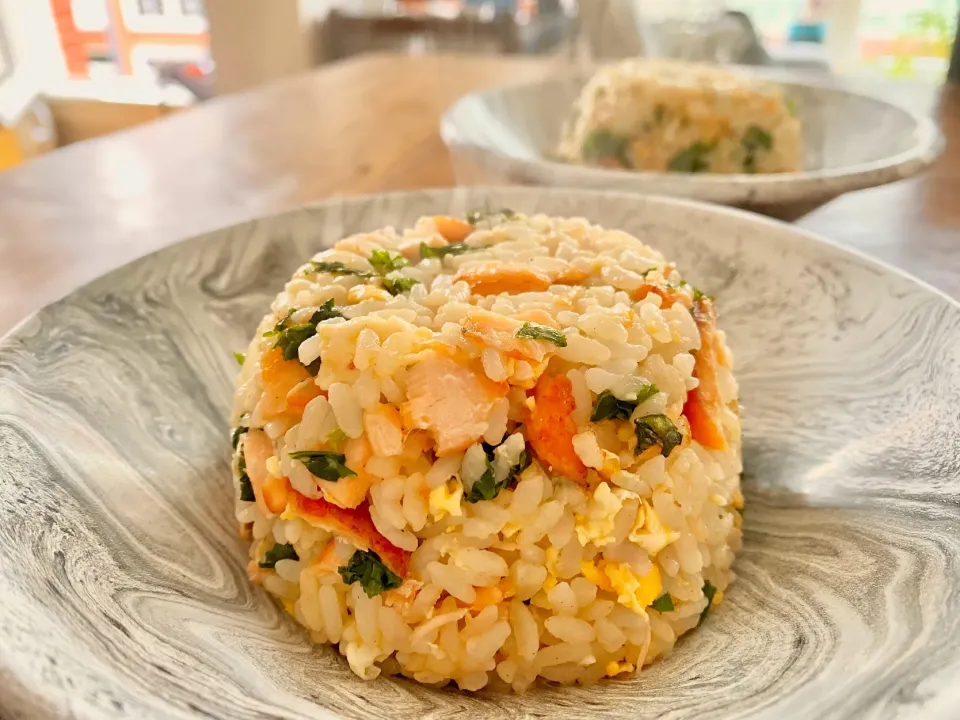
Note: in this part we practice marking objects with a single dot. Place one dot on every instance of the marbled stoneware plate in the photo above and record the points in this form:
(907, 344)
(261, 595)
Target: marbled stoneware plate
(123, 592)
(851, 142)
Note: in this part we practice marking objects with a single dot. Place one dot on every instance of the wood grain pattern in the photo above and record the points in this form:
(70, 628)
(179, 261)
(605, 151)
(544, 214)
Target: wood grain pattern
(123, 591)
(364, 125)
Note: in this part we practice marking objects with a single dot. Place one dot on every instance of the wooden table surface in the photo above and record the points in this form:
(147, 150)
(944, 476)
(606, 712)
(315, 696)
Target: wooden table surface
(361, 126)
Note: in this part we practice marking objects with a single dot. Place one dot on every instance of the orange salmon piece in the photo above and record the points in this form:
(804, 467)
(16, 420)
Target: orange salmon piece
(271, 492)
(550, 427)
(704, 403)
(453, 230)
(279, 378)
(450, 400)
(500, 332)
(355, 525)
(301, 394)
(496, 278)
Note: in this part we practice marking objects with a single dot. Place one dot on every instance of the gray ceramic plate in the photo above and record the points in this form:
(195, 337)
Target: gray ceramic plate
(851, 142)
(122, 583)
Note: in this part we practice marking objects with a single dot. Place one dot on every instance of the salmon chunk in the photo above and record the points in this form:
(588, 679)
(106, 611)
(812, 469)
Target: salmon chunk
(550, 427)
(704, 403)
(279, 378)
(454, 230)
(498, 277)
(500, 333)
(271, 492)
(450, 400)
(353, 524)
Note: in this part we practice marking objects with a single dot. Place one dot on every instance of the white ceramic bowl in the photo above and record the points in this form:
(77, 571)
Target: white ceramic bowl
(852, 141)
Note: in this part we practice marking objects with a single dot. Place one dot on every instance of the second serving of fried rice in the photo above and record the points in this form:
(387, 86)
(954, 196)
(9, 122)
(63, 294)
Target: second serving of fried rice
(490, 449)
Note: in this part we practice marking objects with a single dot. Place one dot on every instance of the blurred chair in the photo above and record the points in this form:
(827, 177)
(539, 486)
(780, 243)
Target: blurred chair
(614, 29)
(198, 78)
(345, 34)
(611, 29)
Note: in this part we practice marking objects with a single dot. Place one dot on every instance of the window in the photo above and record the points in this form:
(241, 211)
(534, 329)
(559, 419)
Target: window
(108, 63)
(895, 38)
(150, 7)
(101, 64)
(191, 7)
(6, 62)
(90, 15)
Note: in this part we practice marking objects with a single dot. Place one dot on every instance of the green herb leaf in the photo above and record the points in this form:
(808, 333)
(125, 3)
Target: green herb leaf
(337, 268)
(278, 328)
(693, 159)
(383, 262)
(605, 145)
(325, 465)
(366, 568)
(246, 487)
(656, 430)
(240, 357)
(659, 113)
(756, 138)
(237, 432)
(277, 553)
(396, 286)
(664, 603)
(440, 252)
(791, 106)
(493, 218)
(327, 311)
(709, 591)
(486, 487)
(291, 337)
(532, 331)
(610, 407)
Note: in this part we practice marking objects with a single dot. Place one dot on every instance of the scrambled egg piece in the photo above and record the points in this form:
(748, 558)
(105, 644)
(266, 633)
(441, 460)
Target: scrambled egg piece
(445, 500)
(553, 555)
(510, 529)
(614, 668)
(650, 532)
(589, 570)
(273, 466)
(634, 591)
(288, 605)
(737, 500)
(596, 525)
(611, 464)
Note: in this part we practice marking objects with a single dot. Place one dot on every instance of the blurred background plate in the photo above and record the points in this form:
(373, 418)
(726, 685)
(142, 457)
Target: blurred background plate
(123, 590)
(851, 141)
